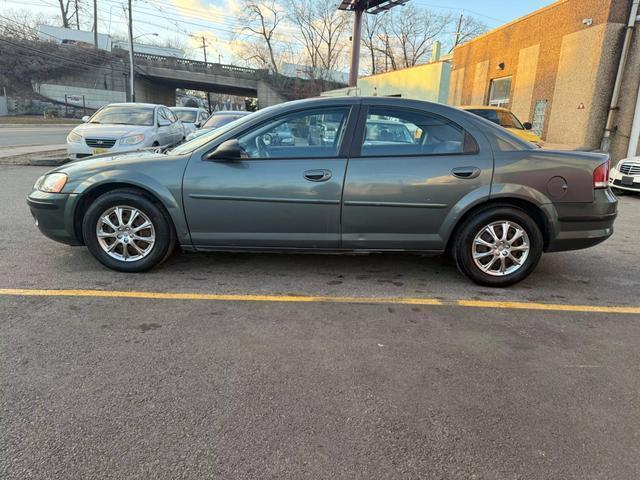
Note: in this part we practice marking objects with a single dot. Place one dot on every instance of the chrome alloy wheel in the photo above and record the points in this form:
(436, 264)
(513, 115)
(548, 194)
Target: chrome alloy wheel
(500, 248)
(125, 233)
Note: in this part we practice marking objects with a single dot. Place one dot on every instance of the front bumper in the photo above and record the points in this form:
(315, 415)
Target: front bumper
(615, 180)
(583, 225)
(54, 215)
(82, 150)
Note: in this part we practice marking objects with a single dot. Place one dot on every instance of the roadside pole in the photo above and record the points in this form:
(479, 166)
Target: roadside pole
(204, 48)
(132, 79)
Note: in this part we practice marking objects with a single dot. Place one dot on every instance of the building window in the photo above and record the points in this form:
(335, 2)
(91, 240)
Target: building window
(538, 117)
(500, 92)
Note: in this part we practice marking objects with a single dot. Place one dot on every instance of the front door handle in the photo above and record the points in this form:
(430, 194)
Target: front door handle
(317, 175)
(466, 172)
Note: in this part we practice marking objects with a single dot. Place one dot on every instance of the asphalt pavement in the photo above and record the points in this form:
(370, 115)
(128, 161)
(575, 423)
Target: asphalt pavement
(29, 135)
(200, 387)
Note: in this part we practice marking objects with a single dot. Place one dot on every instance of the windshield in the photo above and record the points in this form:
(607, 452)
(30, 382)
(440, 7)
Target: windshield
(509, 120)
(490, 115)
(218, 120)
(188, 116)
(205, 138)
(504, 119)
(124, 115)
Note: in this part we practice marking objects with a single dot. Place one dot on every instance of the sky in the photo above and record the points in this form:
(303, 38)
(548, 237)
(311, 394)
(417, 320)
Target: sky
(188, 20)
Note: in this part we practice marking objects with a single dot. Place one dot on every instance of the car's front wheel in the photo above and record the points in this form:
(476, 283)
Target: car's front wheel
(498, 247)
(128, 232)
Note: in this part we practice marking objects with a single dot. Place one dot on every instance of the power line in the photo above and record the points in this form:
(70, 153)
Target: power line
(69, 63)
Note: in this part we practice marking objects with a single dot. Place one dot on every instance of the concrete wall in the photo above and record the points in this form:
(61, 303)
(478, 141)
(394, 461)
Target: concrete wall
(583, 80)
(155, 92)
(267, 96)
(94, 98)
(521, 102)
(428, 82)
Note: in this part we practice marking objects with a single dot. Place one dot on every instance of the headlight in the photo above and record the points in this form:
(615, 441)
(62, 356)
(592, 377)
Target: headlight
(74, 137)
(51, 183)
(132, 140)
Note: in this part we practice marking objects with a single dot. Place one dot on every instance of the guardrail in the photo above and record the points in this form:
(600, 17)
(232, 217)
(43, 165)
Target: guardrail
(145, 59)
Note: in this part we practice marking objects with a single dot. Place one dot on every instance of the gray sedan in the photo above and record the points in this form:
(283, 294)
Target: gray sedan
(393, 175)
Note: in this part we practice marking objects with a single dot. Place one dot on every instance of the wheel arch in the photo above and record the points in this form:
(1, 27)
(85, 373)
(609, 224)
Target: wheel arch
(169, 206)
(542, 214)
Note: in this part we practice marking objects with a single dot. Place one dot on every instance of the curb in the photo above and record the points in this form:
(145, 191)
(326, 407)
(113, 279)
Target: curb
(45, 125)
(47, 162)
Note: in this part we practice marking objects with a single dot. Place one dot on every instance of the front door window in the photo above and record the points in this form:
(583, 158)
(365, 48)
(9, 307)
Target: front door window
(309, 134)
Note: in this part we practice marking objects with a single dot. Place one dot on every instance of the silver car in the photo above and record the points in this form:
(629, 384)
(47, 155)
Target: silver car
(191, 117)
(121, 127)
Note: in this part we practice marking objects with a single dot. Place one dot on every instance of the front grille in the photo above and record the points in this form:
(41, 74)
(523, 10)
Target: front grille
(100, 142)
(630, 168)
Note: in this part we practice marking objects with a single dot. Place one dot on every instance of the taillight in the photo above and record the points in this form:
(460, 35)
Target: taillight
(601, 176)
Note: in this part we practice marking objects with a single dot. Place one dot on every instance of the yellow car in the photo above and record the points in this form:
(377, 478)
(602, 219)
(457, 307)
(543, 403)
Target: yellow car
(506, 119)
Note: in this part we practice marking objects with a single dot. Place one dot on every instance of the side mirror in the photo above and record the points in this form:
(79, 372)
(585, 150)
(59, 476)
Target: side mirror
(197, 124)
(527, 125)
(228, 151)
(163, 122)
(86, 118)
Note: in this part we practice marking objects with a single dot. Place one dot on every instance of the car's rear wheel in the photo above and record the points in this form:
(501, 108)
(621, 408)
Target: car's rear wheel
(498, 247)
(128, 232)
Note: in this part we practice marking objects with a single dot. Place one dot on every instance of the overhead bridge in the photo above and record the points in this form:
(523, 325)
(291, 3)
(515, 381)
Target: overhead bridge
(158, 76)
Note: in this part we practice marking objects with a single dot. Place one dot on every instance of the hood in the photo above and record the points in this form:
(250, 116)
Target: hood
(100, 130)
(110, 160)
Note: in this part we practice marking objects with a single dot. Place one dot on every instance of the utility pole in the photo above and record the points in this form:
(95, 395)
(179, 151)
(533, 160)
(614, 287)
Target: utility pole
(358, 7)
(204, 49)
(458, 30)
(77, 16)
(356, 40)
(95, 24)
(132, 79)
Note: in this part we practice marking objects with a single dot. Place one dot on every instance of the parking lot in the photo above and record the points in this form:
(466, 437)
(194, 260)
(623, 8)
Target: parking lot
(253, 366)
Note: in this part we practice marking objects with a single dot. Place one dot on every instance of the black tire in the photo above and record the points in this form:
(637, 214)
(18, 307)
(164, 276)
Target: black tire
(464, 243)
(165, 238)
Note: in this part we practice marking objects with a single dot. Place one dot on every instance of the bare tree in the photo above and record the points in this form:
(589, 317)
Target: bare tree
(262, 20)
(322, 30)
(371, 39)
(66, 12)
(407, 34)
(21, 23)
(470, 28)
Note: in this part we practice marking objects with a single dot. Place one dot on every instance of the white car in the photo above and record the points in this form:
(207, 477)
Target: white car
(191, 117)
(625, 176)
(122, 127)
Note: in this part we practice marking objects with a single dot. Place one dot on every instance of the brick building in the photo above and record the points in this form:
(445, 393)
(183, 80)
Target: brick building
(556, 68)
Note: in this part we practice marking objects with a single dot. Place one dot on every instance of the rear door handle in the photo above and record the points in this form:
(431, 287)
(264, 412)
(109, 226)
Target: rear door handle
(466, 172)
(317, 175)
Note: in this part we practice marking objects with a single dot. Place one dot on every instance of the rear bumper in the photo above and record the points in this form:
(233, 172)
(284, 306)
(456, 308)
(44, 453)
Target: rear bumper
(583, 225)
(54, 215)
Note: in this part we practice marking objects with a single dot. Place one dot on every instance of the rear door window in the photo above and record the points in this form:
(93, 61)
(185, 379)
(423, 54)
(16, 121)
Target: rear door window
(393, 131)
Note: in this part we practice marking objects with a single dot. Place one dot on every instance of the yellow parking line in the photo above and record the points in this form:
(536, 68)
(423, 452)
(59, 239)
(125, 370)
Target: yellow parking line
(320, 299)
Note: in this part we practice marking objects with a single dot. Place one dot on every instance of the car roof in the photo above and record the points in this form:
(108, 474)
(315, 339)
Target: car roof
(190, 109)
(136, 104)
(231, 112)
(483, 107)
